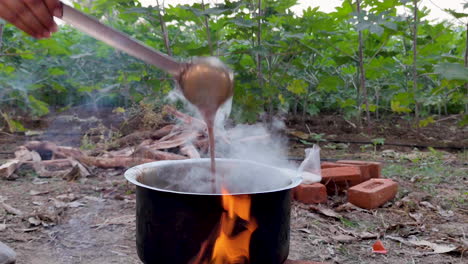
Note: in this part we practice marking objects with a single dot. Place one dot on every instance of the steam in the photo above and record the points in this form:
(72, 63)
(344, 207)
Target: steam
(260, 143)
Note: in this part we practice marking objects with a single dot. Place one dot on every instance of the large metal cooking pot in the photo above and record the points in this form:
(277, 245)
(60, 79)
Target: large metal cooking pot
(176, 213)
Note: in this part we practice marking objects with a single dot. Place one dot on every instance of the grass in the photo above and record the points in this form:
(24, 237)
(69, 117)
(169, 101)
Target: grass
(433, 173)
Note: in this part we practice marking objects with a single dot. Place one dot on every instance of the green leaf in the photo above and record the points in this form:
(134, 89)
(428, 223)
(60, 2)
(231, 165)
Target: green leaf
(378, 141)
(464, 121)
(452, 71)
(330, 83)
(456, 14)
(247, 61)
(396, 107)
(17, 126)
(56, 71)
(426, 122)
(298, 87)
(242, 22)
(9, 69)
(347, 103)
(38, 107)
(372, 107)
(13, 125)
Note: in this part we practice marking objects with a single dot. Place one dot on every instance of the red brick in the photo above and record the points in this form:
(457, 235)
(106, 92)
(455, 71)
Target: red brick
(311, 193)
(349, 173)
(372, 193)
(374, 169)
(339, 179)
(328, 165)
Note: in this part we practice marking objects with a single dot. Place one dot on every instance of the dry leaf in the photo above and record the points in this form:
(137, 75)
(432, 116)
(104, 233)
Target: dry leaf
(344, 238)
(26, 230)
(34, 221)
(367, 235)
(428, 205)
(3, 227)
(437, 248)
(305, 230)
(10, 209)
(347, 207)
(325, 211)
(58, 204)
(444, 213)
(94, 199)
(70, 197)
(299, 134)
(416, 216)
(75, 204)
(34, 192)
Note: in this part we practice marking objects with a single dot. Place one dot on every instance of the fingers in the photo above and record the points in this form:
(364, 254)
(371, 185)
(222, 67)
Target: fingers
(54, 7)
(13, 18)
(34, 17)
(41, 12)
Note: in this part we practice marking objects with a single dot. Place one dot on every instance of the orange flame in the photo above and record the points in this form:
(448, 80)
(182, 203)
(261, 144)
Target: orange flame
(229, 247)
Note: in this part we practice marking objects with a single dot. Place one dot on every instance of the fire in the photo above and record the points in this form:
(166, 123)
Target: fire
(230, 247)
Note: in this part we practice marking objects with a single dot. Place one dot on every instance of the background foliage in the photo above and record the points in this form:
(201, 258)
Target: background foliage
(304, 64)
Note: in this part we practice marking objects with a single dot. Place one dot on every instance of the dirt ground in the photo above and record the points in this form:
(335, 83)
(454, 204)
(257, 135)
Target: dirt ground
(91, 220)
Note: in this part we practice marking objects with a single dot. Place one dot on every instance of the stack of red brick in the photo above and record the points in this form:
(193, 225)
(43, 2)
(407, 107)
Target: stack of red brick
(361, 179)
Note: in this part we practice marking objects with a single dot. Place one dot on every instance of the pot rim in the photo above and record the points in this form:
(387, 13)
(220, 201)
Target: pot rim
(132, 174)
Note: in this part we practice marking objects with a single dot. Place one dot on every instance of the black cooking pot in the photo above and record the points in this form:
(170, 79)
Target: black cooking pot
(177, 213)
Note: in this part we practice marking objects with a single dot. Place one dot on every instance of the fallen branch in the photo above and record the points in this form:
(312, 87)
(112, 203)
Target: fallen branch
(138, 136)
(188, 120)
(116, 162)
(177, 141)
(8, 168)
(59, 151)
(147, 153)
(10, 209)
(190, 151)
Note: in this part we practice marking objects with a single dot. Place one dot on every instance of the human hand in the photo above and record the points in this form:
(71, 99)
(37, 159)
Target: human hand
(35, 17)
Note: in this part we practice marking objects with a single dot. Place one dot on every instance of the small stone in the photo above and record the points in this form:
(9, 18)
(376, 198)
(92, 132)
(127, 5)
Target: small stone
(7, 255)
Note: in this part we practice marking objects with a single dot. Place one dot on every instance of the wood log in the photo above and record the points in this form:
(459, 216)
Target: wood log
(147, 153)
(116, 162)
(77, 171)
(59, 151)
(23, 154)
(202, 144)
(176, 141)
(8, 168)
(158, 134)
(190, 151)
(188, 120)
(121, 152)
(138, 136)
(59, 163)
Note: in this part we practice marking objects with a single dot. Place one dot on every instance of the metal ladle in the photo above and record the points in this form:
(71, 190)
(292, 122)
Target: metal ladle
(205, 82)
